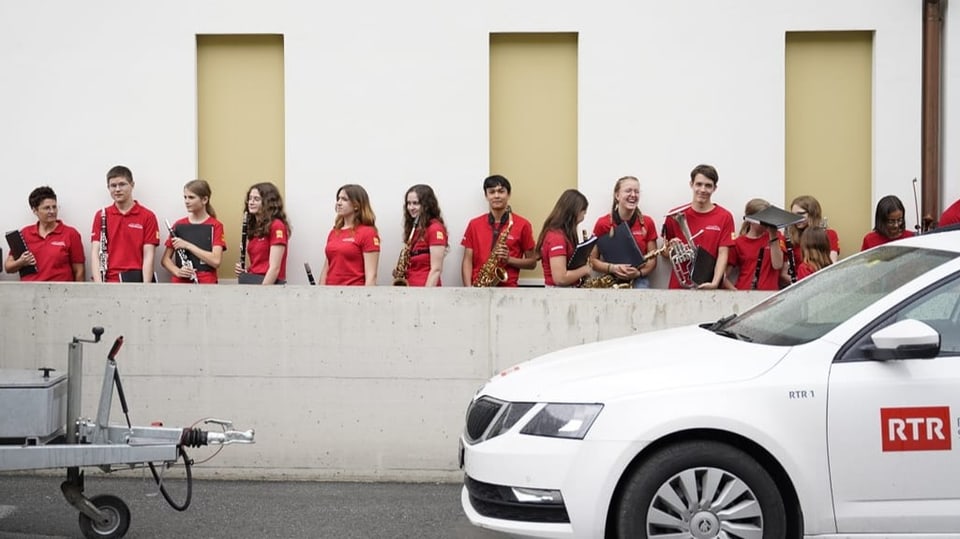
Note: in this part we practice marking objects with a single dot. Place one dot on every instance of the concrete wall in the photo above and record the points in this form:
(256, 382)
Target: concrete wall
(339, 383)
(389, 94)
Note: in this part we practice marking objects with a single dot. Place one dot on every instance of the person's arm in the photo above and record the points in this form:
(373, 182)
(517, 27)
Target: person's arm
(79, 272)
(718, 270)
(13, 266)
(564, 277)
(149, 250)
(834, 256)
(276, 258)
(466, 267)
(647, 268)
(167, 262)
(95, 261)
(210, 258)
(322, 279)
(437, 252)
(776, 253)
(529, 260)
(370, 262)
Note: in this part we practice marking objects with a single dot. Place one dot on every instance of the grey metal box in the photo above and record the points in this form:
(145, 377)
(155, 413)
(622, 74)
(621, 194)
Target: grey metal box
(31, 406)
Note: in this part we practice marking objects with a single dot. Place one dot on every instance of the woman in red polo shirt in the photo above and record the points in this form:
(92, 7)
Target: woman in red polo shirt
(558, 239)
(203, 263)
(888, 224)
(267, 234)
(626, 209)
(54, 250)
(353, 246)
(426, 235)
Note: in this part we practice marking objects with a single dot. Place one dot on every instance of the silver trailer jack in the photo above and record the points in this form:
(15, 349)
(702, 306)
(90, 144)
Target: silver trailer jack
(41, 428)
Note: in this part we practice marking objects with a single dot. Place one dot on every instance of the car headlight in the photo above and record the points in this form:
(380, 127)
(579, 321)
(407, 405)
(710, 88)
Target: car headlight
(563, 420)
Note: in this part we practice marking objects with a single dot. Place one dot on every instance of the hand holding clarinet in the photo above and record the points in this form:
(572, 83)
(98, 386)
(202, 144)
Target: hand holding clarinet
(186, 270)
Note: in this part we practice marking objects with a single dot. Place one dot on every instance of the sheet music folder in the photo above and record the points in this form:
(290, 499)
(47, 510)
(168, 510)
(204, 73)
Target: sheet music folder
(775, 217)
(17, 248)
(581, 253)
(704, 265)
(200, 235)
(620, 248)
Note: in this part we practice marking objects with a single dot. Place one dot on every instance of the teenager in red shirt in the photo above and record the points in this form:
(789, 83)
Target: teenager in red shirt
(951, 215)
(482, 234)
(815, 245)
(267, 234)
(888, 224)
(753, 240)
(353, 246)
(558, 239)
(54, 248)
(131, 231)
(196, 197)
(425, 234)
(809, 207)
(711, 225)
(626, 208)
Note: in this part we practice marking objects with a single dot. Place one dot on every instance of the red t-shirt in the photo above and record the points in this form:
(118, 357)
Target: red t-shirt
(874, 238)
(479, 237)
(259, 250)
(345, 249)
(804, 270)
(127, 233)
(208, 276)
(831, 237)
(717, 227)
(951, 215)
(644, 230)
(555, 243)
(55, 254)
(435, 235)
(744, 254)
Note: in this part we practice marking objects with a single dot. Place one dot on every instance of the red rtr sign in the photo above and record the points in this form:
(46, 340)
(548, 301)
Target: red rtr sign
(916, 429)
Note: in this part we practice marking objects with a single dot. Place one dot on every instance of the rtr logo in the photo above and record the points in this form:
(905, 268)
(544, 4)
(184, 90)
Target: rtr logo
(916, 429)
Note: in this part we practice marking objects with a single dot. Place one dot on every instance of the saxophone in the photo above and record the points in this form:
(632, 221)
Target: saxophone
(492, 273)
(403, 261)
(608, 280)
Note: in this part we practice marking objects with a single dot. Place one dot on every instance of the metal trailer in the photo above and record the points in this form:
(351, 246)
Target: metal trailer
(38, 430)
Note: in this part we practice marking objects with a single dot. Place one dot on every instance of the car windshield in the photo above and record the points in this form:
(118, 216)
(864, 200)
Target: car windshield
(817, 304)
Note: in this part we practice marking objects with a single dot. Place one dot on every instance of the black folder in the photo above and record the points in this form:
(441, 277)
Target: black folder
(620, 248)
(581, 253)
(200, 235)
(17, 248)
(704, 265)
(775, 217)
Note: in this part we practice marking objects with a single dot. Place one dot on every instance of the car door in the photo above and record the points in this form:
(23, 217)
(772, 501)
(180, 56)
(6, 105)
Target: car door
(893, 426)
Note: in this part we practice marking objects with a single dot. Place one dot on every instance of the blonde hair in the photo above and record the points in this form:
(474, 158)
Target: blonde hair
(754, 205)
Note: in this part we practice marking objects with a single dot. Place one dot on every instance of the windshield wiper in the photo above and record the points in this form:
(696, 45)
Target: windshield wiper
(719, 323)
(733, 335)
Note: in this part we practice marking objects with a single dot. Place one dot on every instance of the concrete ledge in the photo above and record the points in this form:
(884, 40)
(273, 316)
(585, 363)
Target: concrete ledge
(339, 383)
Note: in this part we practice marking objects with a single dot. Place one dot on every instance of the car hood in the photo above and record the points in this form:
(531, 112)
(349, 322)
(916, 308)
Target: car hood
(604, 371)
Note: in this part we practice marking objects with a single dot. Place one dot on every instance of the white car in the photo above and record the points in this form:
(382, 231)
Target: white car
(831, 409)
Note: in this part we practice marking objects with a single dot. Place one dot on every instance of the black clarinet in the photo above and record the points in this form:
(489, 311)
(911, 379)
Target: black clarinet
(243, 242)
(791, 262)
(756, 273)
(182, 254)
(103, 245)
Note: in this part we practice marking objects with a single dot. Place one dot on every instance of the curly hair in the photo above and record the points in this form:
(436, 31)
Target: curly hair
(271, 207)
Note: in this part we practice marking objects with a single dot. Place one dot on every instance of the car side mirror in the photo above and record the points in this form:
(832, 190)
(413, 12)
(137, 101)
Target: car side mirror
(906, 339)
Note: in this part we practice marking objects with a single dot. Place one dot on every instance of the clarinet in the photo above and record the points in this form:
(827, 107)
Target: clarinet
(182, 254)
(756, 273)
(791, 262)
(243, 242)
(103, 245)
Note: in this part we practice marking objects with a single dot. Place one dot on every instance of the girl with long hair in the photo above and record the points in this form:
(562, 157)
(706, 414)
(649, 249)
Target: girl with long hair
(353, 246)
(558, 239)
(203, 263)
(809, 207)
(425, 233)
(268, 232)
(757, 246)
(815, 245)
(626, 209)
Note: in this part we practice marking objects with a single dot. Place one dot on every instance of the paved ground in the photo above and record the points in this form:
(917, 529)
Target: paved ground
(32, 507)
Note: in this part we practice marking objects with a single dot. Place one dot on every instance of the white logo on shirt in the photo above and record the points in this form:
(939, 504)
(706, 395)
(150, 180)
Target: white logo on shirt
(59, 243)
(135, 225)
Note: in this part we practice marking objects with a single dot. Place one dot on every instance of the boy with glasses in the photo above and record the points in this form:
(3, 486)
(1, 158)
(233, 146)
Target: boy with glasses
(124, 235)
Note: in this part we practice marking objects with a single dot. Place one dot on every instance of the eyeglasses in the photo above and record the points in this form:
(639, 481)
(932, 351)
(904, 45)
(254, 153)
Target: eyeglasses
(894, 222)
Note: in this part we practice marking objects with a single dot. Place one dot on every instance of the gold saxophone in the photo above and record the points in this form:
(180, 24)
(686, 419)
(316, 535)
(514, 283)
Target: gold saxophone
(492, 273)
(403, 261)
(608, 280)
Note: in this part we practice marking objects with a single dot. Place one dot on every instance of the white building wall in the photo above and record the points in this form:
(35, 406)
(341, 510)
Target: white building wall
(389, 94)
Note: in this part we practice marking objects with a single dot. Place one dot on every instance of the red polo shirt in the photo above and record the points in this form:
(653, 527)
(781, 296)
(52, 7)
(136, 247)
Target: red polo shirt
(55, 254)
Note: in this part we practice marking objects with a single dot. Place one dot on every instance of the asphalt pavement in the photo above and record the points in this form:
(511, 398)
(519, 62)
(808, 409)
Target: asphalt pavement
(33, 507)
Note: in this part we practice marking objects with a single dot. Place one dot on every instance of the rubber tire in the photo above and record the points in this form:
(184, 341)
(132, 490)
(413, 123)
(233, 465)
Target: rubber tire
(630, 518)
(118, 525)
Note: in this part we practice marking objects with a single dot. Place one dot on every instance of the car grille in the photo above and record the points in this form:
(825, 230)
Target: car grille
(495, 501)
(479, 415)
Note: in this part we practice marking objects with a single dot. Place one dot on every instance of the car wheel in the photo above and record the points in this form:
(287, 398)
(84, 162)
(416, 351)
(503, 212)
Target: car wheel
(701, 490)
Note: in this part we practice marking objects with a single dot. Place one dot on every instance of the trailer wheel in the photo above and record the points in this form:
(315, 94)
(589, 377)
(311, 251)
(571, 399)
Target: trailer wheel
(118, 518)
